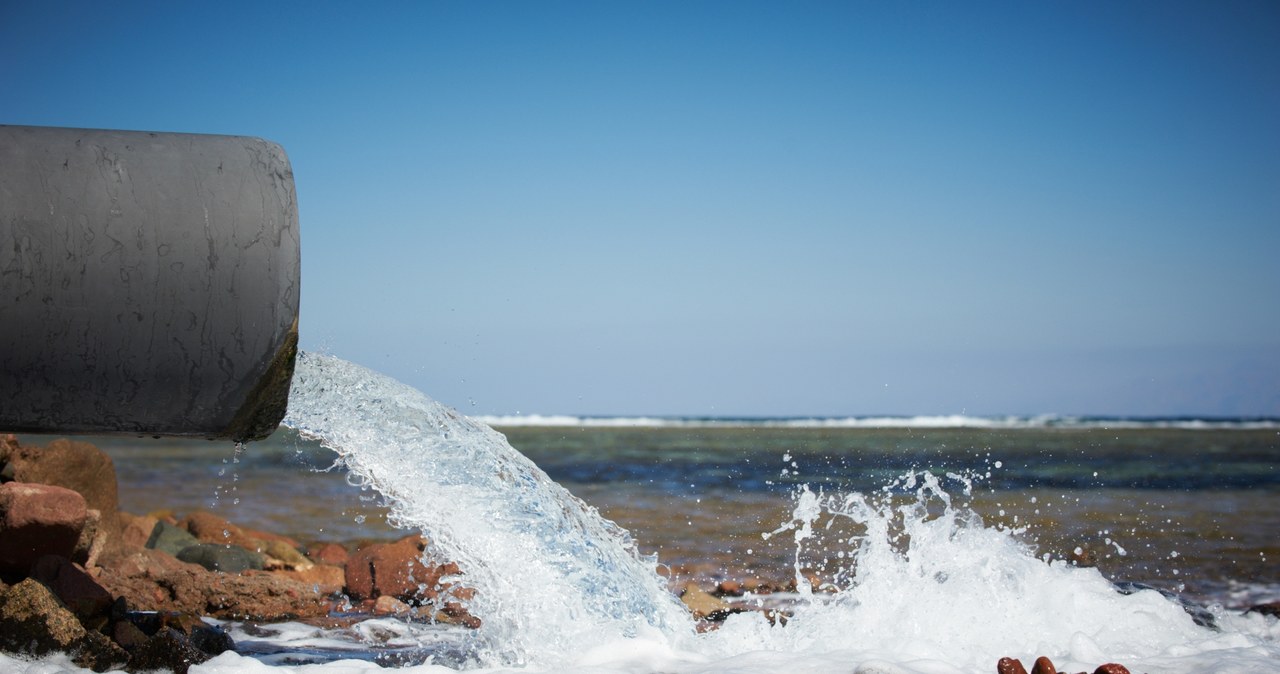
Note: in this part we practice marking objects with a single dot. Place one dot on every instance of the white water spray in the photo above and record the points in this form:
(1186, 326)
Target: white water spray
(551, 574)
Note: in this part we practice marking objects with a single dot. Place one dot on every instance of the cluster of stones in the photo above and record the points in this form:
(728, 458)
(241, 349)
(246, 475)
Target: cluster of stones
(113, 589)
(1043, 665)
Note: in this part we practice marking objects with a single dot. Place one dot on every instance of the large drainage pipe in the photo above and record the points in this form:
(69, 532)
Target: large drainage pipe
(148, 283)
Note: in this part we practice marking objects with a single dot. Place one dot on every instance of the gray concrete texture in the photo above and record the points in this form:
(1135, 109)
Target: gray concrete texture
(148, 283)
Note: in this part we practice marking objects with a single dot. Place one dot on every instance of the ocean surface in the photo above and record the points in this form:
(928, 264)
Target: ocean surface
(1188, 505)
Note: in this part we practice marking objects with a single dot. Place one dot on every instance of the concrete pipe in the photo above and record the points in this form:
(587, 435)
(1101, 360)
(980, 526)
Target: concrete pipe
(148, 283)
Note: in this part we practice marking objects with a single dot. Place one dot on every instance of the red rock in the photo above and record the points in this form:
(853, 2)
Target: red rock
(85, 469)
(37, 520)
(135, 530)
(269, 536)
(151, 580)
(393, 569)
(1111, 668)
(329, 553)
(729, 588)
(1044, 666)
(210, 528)
(1010, 666)
(323, 578)
(78, 466)
(73, 586)
(388, 605)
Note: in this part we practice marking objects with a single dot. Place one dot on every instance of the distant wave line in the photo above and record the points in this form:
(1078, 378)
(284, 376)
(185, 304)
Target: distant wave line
(888, 421)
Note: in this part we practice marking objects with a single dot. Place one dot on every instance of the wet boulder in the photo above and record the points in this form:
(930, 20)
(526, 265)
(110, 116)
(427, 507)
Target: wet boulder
(167, 650)
(34, 622)
(391, 569)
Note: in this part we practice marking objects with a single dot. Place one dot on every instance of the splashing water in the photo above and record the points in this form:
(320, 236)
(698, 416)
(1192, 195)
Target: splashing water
(932, 588)
(927, 587)
(551, 573)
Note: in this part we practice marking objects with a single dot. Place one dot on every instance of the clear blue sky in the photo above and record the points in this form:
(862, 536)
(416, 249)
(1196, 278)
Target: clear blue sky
(740, 208)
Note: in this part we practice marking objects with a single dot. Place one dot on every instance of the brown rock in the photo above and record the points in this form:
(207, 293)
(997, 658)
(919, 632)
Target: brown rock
(128, 635)
(37, 520)
(168, 650)
(328, 553)
(135, 530)
(388, 605)
(210, 639)
(1043, 665)
(393, 569)
(703, 605)
(75, 588)
(210, 528)
(323, 578)
(93, 539)
(151, 580)
(729, 588)
(33, 621)
(1010, 666)
(78, 466)
(1269, 608)
(284, 555)
(8, 445)
(270, 536)
(1111, 668)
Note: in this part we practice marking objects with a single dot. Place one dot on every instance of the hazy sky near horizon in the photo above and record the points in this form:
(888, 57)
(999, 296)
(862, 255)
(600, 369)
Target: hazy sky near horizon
(740, 208)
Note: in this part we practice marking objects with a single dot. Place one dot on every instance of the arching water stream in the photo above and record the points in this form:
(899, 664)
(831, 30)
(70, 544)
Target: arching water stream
(552, 574)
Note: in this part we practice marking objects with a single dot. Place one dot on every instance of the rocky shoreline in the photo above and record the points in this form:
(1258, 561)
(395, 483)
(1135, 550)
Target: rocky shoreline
(117, 590)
